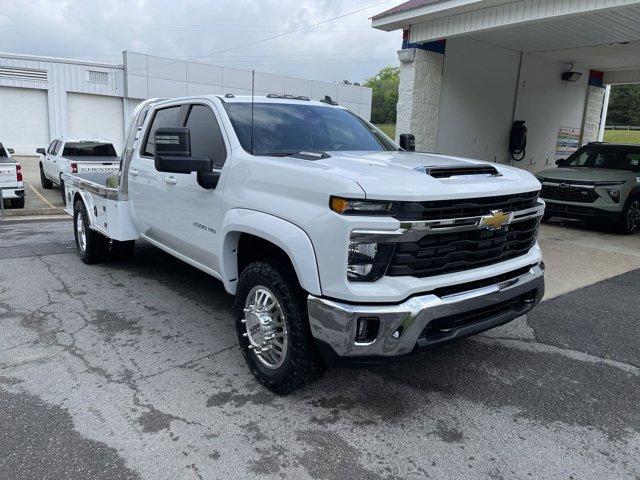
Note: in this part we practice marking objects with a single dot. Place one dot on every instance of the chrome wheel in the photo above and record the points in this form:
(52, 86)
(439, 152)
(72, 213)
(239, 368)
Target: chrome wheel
(82, 234)
(633, 216)
(265, 327)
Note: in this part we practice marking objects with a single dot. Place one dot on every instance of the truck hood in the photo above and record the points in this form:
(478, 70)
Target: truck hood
(584, 174)
(401, 176)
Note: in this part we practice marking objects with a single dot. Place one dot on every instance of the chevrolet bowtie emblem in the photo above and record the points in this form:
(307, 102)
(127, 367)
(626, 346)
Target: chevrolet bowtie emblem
(496, 220)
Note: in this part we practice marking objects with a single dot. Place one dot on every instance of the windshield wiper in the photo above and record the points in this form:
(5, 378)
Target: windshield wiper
(302, 154)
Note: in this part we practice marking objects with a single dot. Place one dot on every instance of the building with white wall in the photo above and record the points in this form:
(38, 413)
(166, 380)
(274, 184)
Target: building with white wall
(470, 68)
(42, 97)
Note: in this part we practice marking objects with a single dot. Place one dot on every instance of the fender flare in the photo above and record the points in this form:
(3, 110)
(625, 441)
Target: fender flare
(289, 237)
(83, 196)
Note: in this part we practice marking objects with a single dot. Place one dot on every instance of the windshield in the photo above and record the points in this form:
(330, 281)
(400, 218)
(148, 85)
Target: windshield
(606, 156)
(282, 128)
(88, 149)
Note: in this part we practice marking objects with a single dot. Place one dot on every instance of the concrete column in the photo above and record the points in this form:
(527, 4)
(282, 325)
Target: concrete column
(419, 96)
(593, 108)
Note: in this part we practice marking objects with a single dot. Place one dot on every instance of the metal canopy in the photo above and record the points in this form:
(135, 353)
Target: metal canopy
(598, 34)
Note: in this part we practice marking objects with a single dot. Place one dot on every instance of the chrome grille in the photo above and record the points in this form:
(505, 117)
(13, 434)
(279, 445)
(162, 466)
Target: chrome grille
(468, 207)
(440, 253)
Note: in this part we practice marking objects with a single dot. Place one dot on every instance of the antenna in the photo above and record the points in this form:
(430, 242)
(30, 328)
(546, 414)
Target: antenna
(253, 82)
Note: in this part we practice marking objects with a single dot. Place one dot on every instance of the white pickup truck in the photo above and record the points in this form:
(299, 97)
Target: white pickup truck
(339, 246)
(11, 183)
(75, 156)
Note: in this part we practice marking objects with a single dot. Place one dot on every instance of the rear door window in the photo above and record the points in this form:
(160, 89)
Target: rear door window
(165, 117)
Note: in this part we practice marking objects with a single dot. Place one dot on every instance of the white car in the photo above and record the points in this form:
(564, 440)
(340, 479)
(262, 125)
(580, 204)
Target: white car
(339, 246)
(11, 178)
(75, 156)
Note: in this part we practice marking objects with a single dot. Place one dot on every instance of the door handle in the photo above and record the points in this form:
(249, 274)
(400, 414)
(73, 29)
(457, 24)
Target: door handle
(170, 180)
(133, 172)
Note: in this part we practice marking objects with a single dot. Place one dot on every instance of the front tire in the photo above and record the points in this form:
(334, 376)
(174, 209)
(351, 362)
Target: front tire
(92, 246)
(273, 328)
(44, 181)
(630, 221)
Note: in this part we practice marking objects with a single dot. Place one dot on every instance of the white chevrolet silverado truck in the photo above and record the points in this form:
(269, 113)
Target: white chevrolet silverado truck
(75, 156)
(339, 247)
(11, 182)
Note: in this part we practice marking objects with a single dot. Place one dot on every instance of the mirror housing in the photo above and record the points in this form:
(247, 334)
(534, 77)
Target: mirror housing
(408, 142)
(173, 155)
(173, 152)
(560, 162)
(41, 151)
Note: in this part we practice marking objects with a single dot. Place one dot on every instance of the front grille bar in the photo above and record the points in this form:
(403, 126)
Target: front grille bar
(413, 231)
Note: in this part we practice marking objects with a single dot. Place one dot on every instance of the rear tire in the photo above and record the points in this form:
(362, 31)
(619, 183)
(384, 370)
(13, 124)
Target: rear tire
(292, 360)
(630, 221)
(17, 202)
(92, 246)
(44, 181)
(120, 251)
(64, 199)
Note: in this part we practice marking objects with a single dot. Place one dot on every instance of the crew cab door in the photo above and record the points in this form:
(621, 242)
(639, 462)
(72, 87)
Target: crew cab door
(145, 182)
(192, 212)
(49, 163)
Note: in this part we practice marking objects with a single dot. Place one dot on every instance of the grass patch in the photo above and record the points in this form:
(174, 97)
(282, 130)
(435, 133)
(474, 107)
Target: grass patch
(622, 136)
(389, 129)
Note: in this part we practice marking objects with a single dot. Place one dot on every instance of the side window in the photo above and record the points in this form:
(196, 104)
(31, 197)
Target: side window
(57, 148)
(52, 147)
(206, 137)
(167, 117)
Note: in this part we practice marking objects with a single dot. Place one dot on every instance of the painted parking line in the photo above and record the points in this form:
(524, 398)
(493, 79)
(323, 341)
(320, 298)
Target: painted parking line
(41, 197)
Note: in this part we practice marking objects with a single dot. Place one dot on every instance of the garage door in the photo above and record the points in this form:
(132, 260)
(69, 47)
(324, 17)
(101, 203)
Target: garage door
(96, 117)
(24, 120)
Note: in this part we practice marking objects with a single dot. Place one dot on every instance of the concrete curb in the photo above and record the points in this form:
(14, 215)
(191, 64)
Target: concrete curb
(28, 212)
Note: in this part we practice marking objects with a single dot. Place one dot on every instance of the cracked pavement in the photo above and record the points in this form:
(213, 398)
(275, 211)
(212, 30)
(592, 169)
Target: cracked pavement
(132, 370)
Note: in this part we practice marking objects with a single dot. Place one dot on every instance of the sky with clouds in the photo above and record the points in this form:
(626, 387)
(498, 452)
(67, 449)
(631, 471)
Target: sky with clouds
(347, 48)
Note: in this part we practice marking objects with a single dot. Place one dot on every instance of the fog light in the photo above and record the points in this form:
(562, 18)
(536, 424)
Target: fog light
(368, 328)
(614, 194)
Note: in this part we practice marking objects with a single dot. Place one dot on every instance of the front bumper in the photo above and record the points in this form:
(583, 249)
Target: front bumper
(585, 212)
(12, 192)
(421, 321)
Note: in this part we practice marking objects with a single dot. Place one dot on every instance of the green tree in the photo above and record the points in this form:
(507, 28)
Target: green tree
(624, 105)
(385, 95)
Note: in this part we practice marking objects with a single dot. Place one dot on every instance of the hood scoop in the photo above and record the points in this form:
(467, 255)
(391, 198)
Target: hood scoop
(472, 171)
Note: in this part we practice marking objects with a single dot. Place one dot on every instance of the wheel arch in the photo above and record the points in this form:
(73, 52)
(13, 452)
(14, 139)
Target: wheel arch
(79, 195)
(243, 228)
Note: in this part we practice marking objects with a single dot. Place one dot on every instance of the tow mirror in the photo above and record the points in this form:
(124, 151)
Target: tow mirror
(173, 152)
(408, 142)
(173, 155)
(41, 151)
(11, 151)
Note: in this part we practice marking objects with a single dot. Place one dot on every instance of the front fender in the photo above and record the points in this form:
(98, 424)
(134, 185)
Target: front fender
(289, 237)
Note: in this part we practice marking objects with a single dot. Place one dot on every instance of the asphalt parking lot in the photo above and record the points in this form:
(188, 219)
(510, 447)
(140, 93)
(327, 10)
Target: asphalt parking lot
(132, 371)
(38, 201)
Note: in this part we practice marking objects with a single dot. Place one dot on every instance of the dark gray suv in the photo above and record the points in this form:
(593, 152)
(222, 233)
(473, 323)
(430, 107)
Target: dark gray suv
(600, 182)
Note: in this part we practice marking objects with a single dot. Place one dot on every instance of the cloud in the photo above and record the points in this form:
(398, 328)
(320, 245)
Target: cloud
(347, 48)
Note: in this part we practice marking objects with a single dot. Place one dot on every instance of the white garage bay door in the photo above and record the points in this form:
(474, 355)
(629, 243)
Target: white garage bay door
(24, 120)
(96, 117)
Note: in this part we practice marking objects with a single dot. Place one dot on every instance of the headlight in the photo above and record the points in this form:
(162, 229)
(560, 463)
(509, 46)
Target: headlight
(347, 206)
(367, 262)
